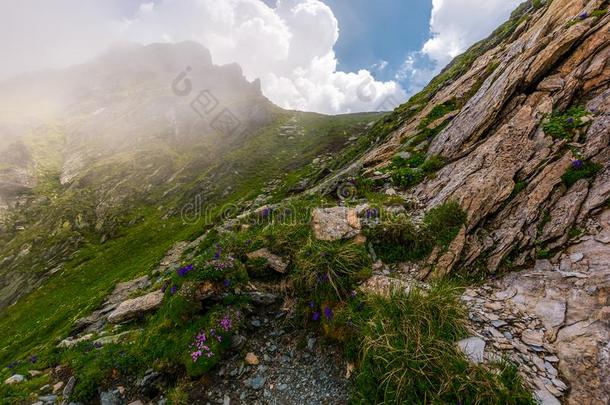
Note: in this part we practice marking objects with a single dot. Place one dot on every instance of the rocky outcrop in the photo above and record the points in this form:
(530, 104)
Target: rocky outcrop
(335, 223)
(508, 173)
(133, 307)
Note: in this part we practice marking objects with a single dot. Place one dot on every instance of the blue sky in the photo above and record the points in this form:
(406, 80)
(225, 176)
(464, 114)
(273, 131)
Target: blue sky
(380, 30)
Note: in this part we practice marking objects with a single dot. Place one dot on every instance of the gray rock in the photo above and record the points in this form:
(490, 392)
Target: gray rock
(543, 397)
(48, 399)
(256, 383)
(473, 348)
(335, 223)
(133, 307)
(14, 379)
(69, 388)
(110, 398)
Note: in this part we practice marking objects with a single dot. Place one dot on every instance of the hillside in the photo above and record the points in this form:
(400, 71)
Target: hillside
(455, 251)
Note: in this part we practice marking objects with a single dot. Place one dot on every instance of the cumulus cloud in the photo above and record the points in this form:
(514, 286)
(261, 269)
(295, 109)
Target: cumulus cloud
(454, 26)
(289, 46)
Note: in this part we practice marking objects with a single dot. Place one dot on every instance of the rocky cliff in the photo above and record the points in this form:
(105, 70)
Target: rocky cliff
(524, 137)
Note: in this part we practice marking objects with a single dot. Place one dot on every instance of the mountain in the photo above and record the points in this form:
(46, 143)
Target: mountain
(138, 127)
(455, 250)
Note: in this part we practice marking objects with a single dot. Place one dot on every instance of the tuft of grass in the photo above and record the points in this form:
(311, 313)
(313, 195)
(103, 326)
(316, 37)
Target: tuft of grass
(405, 346)
(330, 270)
(583, 170)
(398, 239)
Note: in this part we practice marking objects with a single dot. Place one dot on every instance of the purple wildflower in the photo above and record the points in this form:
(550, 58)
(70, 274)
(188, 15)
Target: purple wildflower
(33, 358)
(315, 316)
(353, 294)
(577, 164)
(226, 283)
(173, 290)
(312, 304)
(328, 313)
(218, 252)
(195, 355)
(226, 323)
(570, 120)
(584, 16)
(183, 271)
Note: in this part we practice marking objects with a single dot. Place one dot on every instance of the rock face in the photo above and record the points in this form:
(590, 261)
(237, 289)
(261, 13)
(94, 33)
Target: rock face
(508, 173)
(133, 307)
(335, 223)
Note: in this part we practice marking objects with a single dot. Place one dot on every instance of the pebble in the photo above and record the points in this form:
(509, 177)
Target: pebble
(311, 342)
(499, 323)
(251, 359)
(473, 348)
(58, 386)
(256, 383)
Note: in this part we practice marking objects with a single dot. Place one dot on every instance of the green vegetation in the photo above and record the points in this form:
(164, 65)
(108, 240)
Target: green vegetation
(143, 234)
(330, 270)
(410, 172)
(562, 125)
(405, 345)
(580, 170)
(398, 239)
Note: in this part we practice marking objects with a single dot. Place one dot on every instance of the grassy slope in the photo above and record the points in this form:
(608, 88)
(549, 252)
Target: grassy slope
(44, 316)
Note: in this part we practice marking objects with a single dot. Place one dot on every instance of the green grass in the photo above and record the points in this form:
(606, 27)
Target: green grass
(586, 170)
(405, 348)
(45, 316)
(330, 270)
(410, 172)
(561, 125)
(397, 239)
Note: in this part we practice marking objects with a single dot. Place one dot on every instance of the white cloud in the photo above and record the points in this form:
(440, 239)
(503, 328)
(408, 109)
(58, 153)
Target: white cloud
(454, 25)
(289, 47)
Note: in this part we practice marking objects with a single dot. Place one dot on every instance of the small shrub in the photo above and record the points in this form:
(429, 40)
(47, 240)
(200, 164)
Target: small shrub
(410, 172)
(444, 222)
(397, 239)
(599, 13)
(330, 269)
(561, 125)
(580, 170)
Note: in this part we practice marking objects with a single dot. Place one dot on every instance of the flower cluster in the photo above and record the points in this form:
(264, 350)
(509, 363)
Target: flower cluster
(203, 341)
(577, 164)
(201, 347)
(316, 313)
(183, 271)
(221, 265)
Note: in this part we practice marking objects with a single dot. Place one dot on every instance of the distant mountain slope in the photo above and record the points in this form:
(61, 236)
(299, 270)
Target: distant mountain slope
(140, 127)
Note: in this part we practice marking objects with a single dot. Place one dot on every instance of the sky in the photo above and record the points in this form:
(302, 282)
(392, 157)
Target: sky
(328, 56)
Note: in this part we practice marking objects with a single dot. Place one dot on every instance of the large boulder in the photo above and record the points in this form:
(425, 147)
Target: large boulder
(133, 307)
(335, 223)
